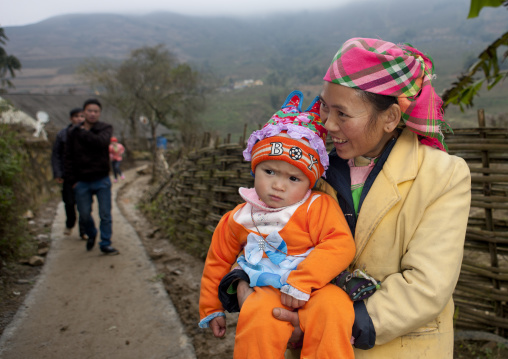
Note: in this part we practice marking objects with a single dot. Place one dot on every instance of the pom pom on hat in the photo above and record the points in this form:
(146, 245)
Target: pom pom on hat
(114, 139)
(293, 136)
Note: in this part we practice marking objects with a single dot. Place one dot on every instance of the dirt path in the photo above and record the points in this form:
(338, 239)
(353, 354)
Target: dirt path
(86, 305)
(179, 272)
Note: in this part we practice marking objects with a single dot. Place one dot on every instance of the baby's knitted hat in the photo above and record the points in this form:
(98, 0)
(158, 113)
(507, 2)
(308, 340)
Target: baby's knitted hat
(293, 136)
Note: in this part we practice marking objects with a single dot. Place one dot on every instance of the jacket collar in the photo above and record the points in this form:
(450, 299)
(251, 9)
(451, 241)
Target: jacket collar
(400, 166)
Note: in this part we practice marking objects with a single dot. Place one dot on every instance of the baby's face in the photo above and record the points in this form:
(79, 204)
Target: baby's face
(280, 184)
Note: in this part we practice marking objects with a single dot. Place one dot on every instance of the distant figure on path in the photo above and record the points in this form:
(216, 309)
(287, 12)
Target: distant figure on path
(76, 117)
(116, 151)
(87, 165)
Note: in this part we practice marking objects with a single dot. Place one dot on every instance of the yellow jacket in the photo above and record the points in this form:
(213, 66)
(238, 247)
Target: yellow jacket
(410, 235)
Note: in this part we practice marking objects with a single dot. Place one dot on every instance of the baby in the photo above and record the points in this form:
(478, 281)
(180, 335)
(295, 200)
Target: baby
(294, 242)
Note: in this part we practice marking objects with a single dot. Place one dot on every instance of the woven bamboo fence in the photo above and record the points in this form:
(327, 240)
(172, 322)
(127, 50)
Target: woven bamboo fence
(195, 189)
(482, 291)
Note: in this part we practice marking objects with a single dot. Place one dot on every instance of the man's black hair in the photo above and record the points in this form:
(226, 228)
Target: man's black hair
(75, 111)
(92, 101)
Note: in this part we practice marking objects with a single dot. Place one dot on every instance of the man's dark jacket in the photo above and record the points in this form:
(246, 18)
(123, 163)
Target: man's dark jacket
(57, 155)
(87, 153)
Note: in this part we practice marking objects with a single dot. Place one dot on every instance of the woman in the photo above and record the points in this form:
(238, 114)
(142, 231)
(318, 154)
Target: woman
(407, 201)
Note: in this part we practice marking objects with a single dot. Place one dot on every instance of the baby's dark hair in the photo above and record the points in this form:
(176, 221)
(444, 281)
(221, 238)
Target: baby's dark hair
(92, 101)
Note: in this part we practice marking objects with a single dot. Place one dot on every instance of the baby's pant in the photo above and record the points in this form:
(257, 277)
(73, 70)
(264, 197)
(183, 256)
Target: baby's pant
(326, 319)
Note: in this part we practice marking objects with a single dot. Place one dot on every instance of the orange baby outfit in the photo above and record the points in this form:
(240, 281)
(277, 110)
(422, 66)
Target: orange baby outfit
(327, 318)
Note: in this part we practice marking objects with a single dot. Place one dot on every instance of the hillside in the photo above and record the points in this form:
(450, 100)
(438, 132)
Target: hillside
(251, 48)
(284, 50)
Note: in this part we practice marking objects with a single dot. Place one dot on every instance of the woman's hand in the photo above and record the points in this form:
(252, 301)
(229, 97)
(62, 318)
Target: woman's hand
(218, 326)
(243, 290)
(291, 317)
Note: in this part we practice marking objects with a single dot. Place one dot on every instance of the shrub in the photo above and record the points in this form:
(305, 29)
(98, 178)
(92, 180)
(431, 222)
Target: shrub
(12, 226)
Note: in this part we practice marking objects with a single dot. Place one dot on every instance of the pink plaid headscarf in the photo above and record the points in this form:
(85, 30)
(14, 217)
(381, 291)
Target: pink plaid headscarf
(400, 71)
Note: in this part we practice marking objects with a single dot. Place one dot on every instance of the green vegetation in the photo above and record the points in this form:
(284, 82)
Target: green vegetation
(13, 233)
(479, 350)
(464, 90)
(151, 84)
(8, 64)
(228, 112)
(493, 102)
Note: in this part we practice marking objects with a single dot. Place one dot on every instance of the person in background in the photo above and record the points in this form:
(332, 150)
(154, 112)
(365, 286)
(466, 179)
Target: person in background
(116, 151)
(76, 117)
(405, 198)
(87, 167)
(294, 242)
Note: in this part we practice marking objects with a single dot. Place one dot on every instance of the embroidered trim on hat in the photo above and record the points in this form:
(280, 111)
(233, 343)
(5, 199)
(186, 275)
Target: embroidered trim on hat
(295, 152)
(293, 131)
(296, 124)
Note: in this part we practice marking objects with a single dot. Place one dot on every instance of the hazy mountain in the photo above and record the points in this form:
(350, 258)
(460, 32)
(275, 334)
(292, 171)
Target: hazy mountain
(298, 45)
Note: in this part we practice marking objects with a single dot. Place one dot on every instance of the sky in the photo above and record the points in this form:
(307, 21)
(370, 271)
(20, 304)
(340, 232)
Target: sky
(24, 12)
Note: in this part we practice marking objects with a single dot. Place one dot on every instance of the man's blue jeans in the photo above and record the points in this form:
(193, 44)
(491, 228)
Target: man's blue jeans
(84, 194)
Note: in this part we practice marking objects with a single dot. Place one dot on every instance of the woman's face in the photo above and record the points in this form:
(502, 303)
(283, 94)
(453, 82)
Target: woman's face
(347, 118)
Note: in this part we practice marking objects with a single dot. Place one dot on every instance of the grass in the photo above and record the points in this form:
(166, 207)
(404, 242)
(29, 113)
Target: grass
(228, 112)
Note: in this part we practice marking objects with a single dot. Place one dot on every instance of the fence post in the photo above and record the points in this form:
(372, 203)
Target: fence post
(489, 222)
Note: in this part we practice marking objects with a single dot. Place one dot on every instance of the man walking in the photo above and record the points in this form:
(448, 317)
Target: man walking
(57, 163)
(87, 166)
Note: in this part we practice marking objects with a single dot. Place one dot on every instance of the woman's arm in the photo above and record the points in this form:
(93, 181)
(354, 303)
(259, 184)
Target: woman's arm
(243, 290)
(364, 334)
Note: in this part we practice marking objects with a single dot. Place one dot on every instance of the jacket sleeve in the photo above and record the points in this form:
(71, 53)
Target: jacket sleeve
(222, 254)
(334, 246)
(98, 137)
(430, 265)
(57, 156)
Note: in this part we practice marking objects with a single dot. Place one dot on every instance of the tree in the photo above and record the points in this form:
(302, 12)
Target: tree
(8, 64)
(102, 76)
(467, 87)
(165, 90)
(153, 83)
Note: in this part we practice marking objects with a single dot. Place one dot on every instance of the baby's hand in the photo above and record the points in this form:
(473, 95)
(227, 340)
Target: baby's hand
(218, 326)
(290, 301)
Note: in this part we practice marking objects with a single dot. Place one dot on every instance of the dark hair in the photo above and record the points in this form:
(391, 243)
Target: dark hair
(75, 111)
(92, 101)
(379, 103)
